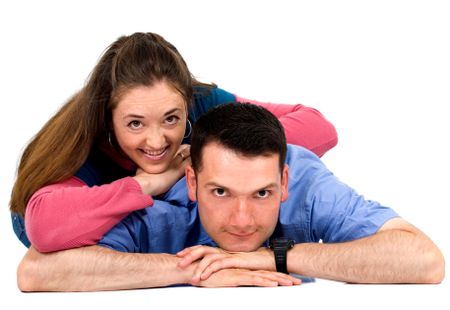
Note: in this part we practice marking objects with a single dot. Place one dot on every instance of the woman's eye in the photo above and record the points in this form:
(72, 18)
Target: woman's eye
(134, 124)
(263, 194)
(220, 192)
(172, 119)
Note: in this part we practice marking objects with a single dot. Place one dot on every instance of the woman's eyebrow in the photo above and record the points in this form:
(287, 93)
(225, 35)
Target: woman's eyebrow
(133, 116)
(172, 111)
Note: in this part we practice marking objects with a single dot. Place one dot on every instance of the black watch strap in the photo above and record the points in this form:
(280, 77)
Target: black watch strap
(280, 247)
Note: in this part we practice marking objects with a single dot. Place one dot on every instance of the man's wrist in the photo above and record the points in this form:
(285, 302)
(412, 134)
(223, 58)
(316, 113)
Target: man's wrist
(280, 247)
(186, 273)
(268, 259)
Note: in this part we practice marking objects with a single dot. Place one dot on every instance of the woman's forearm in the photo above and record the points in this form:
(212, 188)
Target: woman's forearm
(70, 214)
(304, 126)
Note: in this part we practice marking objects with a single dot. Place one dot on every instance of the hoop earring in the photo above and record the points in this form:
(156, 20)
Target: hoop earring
(190, 130)
(109, 139)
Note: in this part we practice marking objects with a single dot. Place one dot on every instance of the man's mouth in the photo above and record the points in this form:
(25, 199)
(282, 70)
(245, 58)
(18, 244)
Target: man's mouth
(241, 235)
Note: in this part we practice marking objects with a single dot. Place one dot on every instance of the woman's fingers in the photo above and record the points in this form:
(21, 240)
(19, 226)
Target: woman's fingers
(184, 152)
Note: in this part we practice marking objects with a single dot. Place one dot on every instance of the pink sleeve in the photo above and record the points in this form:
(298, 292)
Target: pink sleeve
(70, 214)
(303, 125)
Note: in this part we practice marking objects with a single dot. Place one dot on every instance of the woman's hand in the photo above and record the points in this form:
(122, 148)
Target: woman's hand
(159, 183)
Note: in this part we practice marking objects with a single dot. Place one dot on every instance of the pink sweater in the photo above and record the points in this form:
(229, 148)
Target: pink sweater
(70, 214)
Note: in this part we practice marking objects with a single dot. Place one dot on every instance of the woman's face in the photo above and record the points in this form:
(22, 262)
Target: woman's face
(149, 124)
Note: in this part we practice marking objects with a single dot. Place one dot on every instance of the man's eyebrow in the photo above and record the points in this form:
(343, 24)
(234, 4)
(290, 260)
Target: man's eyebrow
(268, 186)
(214, 184)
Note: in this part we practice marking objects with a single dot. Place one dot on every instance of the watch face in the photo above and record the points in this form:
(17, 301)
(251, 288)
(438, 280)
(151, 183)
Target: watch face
(281, 242)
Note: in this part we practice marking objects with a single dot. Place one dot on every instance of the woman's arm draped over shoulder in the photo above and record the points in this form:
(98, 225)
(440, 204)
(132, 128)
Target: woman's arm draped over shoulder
(87, 212)
(303, 125)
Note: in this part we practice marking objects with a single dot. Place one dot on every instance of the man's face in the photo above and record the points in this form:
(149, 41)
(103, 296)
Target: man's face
(238, 197)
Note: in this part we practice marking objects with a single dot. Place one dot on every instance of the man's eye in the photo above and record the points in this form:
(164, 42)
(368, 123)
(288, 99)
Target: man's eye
(220, 192)
(263, 194)
(134, 124)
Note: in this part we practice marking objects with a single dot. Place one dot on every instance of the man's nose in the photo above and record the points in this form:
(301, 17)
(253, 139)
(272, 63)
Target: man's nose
(242, 217)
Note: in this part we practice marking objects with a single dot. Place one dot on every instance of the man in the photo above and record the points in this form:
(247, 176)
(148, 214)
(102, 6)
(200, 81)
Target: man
(238, 185)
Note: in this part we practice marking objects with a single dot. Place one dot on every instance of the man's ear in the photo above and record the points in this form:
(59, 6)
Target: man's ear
(191, 182)
(284, 183)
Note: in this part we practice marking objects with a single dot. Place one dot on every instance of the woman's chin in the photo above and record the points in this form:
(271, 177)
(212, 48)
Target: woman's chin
(155, 169)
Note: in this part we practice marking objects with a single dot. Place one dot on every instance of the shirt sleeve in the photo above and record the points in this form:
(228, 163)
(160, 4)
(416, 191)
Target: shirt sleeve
(339, 213)
(129, 235)
(168, 226)
(71, 214)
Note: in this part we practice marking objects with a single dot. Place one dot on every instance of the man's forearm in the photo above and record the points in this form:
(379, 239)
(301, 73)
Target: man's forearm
(392, 256)
(96, 268)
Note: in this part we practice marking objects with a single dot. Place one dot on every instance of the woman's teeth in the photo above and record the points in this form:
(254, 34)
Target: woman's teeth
(155, 155)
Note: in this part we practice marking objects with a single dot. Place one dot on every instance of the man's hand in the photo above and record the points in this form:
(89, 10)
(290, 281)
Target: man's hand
(211, 260)
(244, 277)
(156, 184)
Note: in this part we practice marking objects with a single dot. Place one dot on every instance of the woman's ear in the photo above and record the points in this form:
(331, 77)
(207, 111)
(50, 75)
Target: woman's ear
(191, 182)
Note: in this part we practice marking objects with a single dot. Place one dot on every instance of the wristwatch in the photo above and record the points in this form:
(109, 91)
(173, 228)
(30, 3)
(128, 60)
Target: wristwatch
(280, 246)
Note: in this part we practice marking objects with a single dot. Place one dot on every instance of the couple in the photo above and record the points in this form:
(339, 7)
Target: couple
(238, 187)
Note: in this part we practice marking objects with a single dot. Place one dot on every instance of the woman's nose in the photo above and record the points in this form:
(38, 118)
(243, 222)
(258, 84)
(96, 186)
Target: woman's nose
(155, 138)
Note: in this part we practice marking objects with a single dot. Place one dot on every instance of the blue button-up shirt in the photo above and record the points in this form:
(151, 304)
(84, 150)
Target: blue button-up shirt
(319, 208)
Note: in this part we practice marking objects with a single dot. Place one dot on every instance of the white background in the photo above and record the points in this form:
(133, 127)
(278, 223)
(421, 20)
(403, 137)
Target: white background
(378, 70)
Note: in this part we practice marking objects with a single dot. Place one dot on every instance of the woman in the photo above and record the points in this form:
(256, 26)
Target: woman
(122, 139)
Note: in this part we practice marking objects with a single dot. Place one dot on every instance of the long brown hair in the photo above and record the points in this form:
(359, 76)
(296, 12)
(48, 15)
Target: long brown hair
(64, 143)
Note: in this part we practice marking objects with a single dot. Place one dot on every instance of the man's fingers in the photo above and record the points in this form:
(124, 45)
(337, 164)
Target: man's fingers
(268, 278)
(205, 263)
(258, 280)
(218, 264)
(244, 277)
(195, 253)
(187, 260)
(230, 262)
(187, 250)
(282, 279)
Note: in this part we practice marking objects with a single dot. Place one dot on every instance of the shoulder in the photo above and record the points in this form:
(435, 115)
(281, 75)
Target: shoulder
(206, 98)
(303, 164)
(308, 178)
(305, 169)
(88, 173)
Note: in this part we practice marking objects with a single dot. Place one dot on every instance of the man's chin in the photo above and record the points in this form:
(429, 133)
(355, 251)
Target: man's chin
(239, 247)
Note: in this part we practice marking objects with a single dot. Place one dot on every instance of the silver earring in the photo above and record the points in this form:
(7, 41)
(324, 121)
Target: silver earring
(109, 139)
(190, 130)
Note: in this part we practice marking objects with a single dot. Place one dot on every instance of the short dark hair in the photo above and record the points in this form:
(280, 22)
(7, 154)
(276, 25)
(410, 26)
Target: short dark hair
(245, 128)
